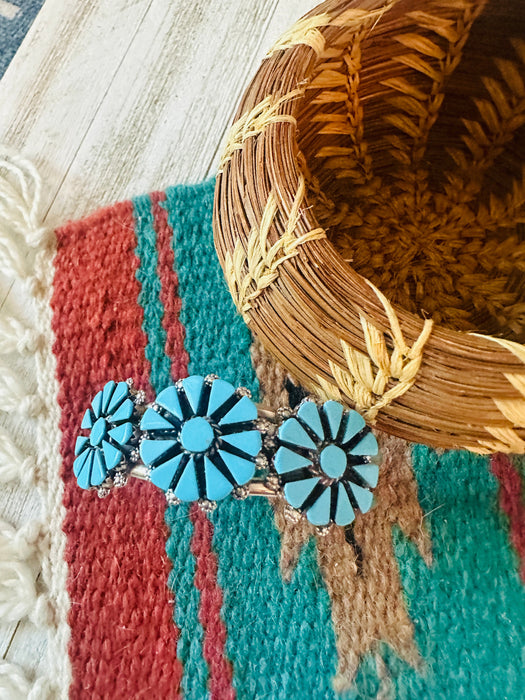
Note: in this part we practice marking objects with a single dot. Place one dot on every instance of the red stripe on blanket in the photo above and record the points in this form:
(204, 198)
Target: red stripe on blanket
(210, 607)
(123, 639)
(201, 545)
(169, 289)
(511, 502)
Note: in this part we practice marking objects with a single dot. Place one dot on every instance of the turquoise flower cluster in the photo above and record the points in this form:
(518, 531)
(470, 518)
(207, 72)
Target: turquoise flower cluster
(200, 442)
(109, 421)
(324, 463)
(201, 439)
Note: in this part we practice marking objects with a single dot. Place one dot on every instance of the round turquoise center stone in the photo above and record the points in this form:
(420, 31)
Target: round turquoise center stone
(196, 435)
(333, 461)
(98, 432)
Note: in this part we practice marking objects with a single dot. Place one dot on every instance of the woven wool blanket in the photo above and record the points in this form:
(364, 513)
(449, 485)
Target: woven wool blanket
(426, 599)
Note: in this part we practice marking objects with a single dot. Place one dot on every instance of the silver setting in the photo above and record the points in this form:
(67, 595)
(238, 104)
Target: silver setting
(241, 493)
(120, 479)
(134, 455)
(207, 506)
(140, 397)
(129, 382)
(172, 499)
(261, 461)
(243, 391)
(210, 378)
(103, 491)
(273, 483)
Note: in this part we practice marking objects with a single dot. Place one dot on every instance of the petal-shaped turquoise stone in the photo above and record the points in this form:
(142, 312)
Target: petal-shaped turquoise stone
(241, 469)
(220, 392)
(123, 412)
(193, 387)
(81, 443)
(162, 476)
(217, 485)
(334, 413)
(288, 461)
(309, 413)
(107, 393)
(80, 461)
(151, 451)
(244, 410)
(249, 441)
(354, 423)
(292, 431)
(98, 471)
(84, 475)
(112, 455)
(87, 421)
(169, 399)
(122, 433)
(98, 432)
(344, 513)
(363, 497)
(319, 511)
(369, 472)
(367, 446)
(152, 420)
(120, 393)
(296, 492)
(187, 488)
(96, 404)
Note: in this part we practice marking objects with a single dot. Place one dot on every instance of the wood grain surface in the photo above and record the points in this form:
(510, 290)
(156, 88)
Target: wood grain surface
(113, 98)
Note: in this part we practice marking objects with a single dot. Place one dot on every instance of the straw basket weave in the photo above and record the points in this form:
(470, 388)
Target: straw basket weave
(370, 211)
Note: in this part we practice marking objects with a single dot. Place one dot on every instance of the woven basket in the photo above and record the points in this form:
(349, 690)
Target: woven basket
(369, 209)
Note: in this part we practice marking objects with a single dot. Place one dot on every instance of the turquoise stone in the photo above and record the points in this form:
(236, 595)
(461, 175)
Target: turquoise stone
(151, 451)
(354, 423)
(196, 435)
(309, 413)
(193, 388)
(169, 399)
(367, 446)
(296, 492)
(96, 404)
(152, 420)
(98, 432)
(292, 431)
(124, 412)
(122, 433)
(221, 392)
(80, 444)
(319, 512)
(107, 393)
(333, 461)
(369, 472)
(120, 393)
(162, 476)
(217, 485)
(187, 489)
(249, 441)
(287, 461)
(363, 497)
(98, 471)
(87, 421)
(334, 413)
(344, 513)
(112, 455)
(241, 469)
(244, 410)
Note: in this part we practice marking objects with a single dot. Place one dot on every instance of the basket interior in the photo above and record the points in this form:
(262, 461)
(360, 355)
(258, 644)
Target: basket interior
(413, 132)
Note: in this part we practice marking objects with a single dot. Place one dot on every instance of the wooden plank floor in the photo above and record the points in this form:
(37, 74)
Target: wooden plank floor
(113, 98)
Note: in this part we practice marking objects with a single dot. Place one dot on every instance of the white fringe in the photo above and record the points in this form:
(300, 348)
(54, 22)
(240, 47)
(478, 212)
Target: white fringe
(14, 464)
(26, 254)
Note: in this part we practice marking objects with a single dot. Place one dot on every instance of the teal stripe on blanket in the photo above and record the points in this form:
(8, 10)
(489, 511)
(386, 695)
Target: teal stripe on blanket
(181, 579)
(280, 636)
(468, 608)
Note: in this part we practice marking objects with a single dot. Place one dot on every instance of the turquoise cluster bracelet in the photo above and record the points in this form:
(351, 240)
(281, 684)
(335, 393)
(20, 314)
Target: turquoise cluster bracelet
(203, 439)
